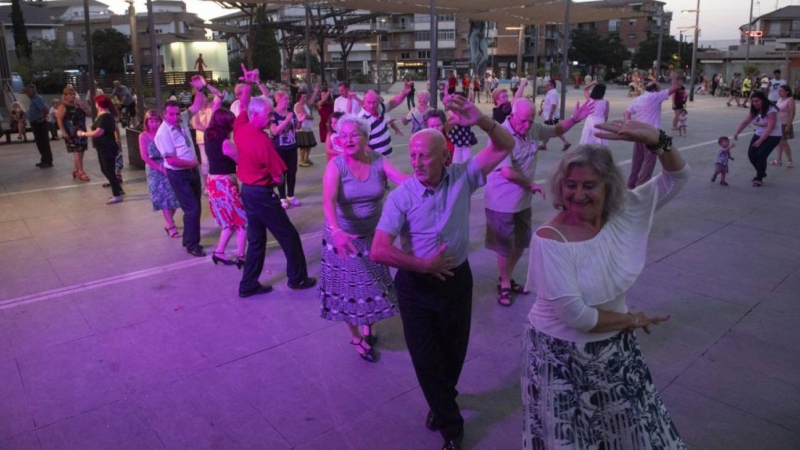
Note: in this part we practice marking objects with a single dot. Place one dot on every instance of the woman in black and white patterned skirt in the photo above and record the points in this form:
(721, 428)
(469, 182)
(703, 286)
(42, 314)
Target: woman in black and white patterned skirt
(585, 383)
(352, 288)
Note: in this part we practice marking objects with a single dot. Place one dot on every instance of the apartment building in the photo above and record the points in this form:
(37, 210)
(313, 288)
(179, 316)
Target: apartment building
(781, 25)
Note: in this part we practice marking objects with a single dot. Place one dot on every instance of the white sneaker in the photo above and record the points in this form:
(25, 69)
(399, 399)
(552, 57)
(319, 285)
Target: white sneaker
(284, 204)
(294, 202)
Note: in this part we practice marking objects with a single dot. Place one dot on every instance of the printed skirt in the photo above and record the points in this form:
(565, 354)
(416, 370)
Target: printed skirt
(353, 288)
(593, 395)
(306, 139)
(225, 201)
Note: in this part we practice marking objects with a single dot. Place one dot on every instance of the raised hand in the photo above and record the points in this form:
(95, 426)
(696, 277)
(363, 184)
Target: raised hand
(463, 112)
(439, 265)
(629, 130)
(582, 111)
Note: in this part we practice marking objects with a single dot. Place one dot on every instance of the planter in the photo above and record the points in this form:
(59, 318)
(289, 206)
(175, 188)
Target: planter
(132, 141)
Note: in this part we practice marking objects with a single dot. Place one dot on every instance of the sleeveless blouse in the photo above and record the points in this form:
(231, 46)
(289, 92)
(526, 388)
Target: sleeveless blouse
(359, 203)
(218, 162)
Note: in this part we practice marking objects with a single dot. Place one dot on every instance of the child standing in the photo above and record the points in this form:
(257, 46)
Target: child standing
(683, 118)
(721, 165)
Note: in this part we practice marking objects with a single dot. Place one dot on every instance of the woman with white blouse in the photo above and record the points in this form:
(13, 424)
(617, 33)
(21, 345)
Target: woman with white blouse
(764, 116)
(584, 381)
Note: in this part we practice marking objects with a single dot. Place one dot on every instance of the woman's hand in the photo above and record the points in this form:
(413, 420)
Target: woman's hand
(629, 130)
(463, 112)
(343, 242)
(641, 320)
(582, 111)
(198, 82)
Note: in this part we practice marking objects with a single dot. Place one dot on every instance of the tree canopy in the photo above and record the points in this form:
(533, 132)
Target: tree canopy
(588, 48)
(670, 52)
(22, 46)
(109, 48)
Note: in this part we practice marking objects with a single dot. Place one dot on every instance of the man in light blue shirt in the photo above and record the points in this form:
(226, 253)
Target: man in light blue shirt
(37, 116)
(430, 214)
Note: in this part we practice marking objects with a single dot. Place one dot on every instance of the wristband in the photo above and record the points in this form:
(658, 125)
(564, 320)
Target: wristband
(664, 143)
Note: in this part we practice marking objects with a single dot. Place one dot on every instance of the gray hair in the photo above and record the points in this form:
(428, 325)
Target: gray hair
(598, 158)
(259, 105)
(424, 94)
(361, 125)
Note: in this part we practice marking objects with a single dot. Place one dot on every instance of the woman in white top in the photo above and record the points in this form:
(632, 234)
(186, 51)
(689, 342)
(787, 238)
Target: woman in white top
(595, 93)
(786, 111)
(584, 381)
(416, 114)
(764, 116)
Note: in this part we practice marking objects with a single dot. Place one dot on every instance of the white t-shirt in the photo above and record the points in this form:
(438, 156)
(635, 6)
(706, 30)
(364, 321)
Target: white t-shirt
(773, 89)
(340, 105)
(760, 122)
(647, 107)
(235, 108)
(550, 100)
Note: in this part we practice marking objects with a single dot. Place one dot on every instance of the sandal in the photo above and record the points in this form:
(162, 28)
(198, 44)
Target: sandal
(504, 296)
(371, 338)
(518, 288)
(172, 232)
(368, 354)
(775, 162)
(756, 183)
(566, 147)
(82, 176)
(790, 164)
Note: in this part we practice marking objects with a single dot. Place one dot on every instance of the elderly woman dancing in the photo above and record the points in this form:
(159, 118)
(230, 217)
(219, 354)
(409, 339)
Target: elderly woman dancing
(352, 288)
(584, 381)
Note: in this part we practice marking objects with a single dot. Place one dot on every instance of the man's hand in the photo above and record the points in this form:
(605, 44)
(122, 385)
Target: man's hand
(439, 265)
(534, 188)
(198, 82)
(582, 111)
(463, 112)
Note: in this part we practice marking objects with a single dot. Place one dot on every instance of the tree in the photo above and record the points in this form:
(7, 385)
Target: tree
(22, 46)
(588, 48)
(110, 47)
(648, 52)
(300, 61)
(265, 51)
(50, 60)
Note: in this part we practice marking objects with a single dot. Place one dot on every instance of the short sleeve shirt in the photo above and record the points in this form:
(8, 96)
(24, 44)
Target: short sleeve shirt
(504, 196)
(774, 85)
(259, 162)
(647, 107)
(426, 218)
(550, 100)
(175, 141)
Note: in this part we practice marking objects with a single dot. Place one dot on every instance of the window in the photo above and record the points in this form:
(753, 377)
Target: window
(422, 36)
(70, 38)
(632, 22)
(447, 35)
(423, 54)
(632, 36)
(446, 54)
(405, 55)
(446, 18)
(614, 25)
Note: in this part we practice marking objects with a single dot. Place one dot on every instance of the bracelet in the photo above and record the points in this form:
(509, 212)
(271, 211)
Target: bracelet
(664, 143)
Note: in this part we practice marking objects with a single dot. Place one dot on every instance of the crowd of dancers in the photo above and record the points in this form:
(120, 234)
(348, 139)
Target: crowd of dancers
(584, 381)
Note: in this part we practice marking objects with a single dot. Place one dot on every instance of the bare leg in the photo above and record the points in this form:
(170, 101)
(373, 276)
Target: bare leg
(780, 147)
(168, 217)
(506, 265)
(355, 337)
(788, 151)
(224, 237)
(241, 241)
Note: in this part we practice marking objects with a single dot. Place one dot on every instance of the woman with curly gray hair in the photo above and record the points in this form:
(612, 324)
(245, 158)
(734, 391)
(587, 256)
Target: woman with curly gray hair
(584, 381)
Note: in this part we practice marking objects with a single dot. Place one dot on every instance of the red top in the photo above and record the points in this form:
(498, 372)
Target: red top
(452, 81)
(450, 148)
(466, 83)
(259, 163)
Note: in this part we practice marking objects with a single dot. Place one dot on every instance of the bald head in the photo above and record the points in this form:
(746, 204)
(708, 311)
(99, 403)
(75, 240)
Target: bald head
(371, 100)
(428, 152)
(430, 138)
(523, 112)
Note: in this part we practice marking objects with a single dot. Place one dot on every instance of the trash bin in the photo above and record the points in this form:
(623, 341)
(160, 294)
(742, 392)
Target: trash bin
(132, 141)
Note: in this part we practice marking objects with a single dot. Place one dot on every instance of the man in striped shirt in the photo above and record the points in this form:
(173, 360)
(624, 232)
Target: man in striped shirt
(380, 141)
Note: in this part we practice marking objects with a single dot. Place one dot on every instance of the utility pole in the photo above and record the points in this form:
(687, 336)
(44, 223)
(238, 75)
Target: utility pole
(694, 50)
(309, 88)
(565, 68)
(137, 64)
(520, 44)
(660, 40)
(154, 56)
(749, 28)
(434, 68)
(89, 53)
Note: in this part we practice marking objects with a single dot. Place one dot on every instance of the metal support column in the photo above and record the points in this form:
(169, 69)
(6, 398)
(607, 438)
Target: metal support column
(89, 53)
(137, 65)
(433, 71)
(565, 62)
(154, 56)
(694, 51)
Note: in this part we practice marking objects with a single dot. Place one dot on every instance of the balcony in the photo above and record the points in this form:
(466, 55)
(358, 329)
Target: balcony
(793, 34)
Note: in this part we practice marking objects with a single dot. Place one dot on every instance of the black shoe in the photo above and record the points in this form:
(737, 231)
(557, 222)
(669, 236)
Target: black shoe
(308, 283)
(369, 353)
(261, 289)
(430, 422)
(196, 251)
(454, 443)
(371, 339)
(44, 165)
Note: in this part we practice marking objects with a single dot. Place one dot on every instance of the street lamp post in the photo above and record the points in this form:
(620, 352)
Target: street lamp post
(137, 64)
(749, 28)
(694, 48)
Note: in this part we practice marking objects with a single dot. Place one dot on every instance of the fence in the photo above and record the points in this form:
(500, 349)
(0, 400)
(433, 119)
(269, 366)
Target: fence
(169, 80)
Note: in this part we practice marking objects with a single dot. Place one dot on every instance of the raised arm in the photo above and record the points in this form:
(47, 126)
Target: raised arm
(520, 90)
(393, 173)
(579, 113)
(587, 90)
(501, 142)
(399, 98)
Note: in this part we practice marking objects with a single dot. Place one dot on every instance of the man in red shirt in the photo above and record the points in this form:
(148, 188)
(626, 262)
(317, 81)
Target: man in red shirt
(452, 82)
(260, 169)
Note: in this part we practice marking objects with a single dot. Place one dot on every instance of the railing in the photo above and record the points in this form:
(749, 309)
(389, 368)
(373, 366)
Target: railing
(169, 80)
(783, 34)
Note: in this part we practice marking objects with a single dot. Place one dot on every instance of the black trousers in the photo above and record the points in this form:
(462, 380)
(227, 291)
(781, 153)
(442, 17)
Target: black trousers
(264, 211)
(41, 135)
(760, 155)
(106, 158)
(289, 157)
(410, 101)
(186, 184)
(436, 322)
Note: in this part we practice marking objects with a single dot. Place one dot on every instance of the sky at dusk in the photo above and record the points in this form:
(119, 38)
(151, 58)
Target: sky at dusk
(719, 19)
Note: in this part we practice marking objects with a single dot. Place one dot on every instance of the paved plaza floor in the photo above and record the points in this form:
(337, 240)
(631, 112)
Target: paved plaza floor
(113, 337)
